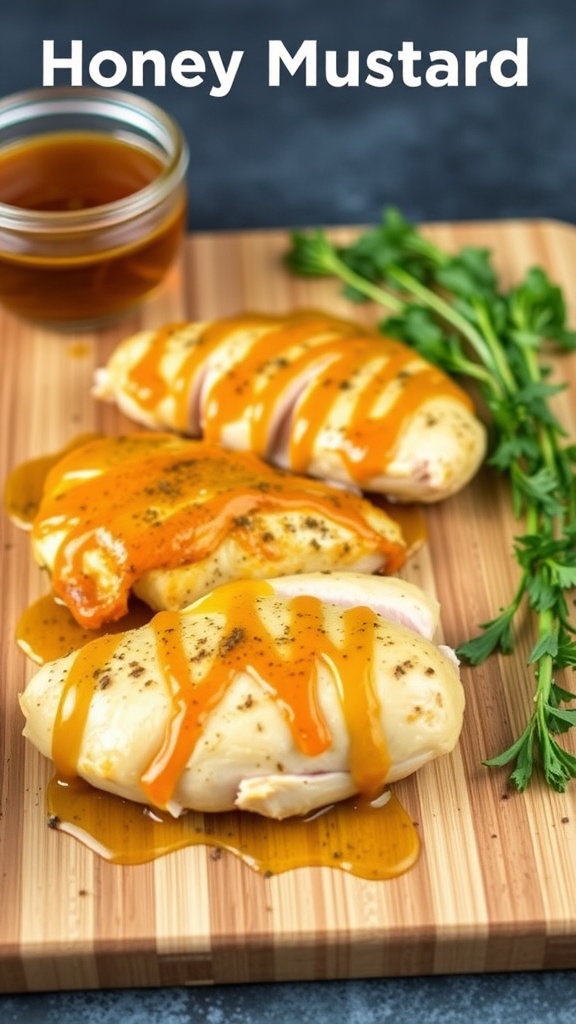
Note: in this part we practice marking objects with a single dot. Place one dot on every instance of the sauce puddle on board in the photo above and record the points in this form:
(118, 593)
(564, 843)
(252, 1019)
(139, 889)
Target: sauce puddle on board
(25, 483)
(374, 843)
(47, 630)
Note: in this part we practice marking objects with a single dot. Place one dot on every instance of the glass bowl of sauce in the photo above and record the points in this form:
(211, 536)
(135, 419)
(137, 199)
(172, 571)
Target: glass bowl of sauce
(92, 203)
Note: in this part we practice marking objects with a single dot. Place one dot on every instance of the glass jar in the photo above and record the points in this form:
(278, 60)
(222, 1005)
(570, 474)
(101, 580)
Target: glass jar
(92, 203)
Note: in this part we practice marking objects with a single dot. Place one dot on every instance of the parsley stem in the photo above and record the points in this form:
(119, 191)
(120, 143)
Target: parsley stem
(445, 310)
(490, 336)
(547, 443)
(362, 285)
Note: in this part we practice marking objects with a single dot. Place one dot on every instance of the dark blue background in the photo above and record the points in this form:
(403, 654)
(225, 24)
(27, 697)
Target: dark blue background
(294, 155)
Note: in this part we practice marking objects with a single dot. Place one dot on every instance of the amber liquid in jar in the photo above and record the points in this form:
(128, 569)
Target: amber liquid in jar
(68, 173)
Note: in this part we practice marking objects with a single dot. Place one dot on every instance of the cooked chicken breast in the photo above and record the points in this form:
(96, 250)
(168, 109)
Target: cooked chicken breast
(169, 518)
(275, 696)
(307, 392)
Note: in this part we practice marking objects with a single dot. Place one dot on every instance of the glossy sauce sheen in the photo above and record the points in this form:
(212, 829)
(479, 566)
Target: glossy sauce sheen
(291, 667)
(373, 843)
(288, 664)
(282, 349)
(69, 172)
(46, 630)
(370, 842)
(352, 836)
(25, 483)
(156, 517)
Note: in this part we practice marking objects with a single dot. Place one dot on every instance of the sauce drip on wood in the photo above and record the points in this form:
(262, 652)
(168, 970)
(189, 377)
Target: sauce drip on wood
(46, 630)
(25, 484)
(368, 842)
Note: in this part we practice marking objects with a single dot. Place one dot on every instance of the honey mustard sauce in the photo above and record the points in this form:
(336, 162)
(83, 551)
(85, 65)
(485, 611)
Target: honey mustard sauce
(276, 356)
(25, 484)
(368, 841)
(147, 384)
(374, 843)
(97, 274)
(47, 630)
(353, 836)
(368, 441)
(290, 668)
(280, 352)
(293, 677)
(188, 500)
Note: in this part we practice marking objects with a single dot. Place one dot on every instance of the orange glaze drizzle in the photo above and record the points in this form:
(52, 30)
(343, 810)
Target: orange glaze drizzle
(147, 385)
(388, 359)
(75, 701)
(367, 443)
(252, 388)
(290, 667)
(247, 644)
(157, 501)
(288, 664)
(326, 354)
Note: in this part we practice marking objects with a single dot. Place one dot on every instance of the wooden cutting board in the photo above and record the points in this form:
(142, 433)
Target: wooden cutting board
(495, 886)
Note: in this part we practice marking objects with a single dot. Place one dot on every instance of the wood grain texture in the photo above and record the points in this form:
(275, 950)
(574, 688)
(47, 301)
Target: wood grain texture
(495, 887)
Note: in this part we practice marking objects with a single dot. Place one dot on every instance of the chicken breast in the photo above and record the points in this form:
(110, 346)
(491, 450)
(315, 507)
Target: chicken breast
(266, 696)
(308, 392)
(169, 518)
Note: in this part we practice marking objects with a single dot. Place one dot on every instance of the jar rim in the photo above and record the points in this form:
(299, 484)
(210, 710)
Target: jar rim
(138, 112)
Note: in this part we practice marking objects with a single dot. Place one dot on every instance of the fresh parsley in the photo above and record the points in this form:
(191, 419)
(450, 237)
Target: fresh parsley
(451, 309)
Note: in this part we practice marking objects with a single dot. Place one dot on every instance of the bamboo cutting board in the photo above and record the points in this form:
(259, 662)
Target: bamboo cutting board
(495, 886)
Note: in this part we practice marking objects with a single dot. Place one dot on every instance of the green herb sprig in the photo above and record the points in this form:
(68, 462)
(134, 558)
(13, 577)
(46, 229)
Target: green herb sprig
(449, 307)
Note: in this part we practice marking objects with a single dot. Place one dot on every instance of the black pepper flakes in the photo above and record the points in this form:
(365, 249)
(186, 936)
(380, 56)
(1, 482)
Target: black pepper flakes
(232, 640)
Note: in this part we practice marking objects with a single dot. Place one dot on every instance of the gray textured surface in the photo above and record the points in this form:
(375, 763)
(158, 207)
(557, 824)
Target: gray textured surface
(540, 998)
(263, 157)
